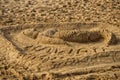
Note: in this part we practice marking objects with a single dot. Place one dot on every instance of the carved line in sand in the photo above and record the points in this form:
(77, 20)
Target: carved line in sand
(100, 58)
(75, 72)
(54, 36)
(66, 62)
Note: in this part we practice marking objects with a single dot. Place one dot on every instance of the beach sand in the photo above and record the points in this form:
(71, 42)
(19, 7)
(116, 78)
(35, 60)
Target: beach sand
(59, 40)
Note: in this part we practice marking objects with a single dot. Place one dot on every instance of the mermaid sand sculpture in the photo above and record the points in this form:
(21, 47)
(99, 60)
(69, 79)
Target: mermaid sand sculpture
(54, 36)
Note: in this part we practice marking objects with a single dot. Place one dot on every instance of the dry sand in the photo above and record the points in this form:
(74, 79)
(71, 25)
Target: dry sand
(59, 40)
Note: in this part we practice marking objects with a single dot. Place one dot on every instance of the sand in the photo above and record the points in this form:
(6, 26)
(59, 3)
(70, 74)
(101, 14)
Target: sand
(13, 12)
(59, 40)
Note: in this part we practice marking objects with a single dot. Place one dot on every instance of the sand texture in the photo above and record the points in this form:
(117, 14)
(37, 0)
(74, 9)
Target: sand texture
(14, 12)
(59, 40)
